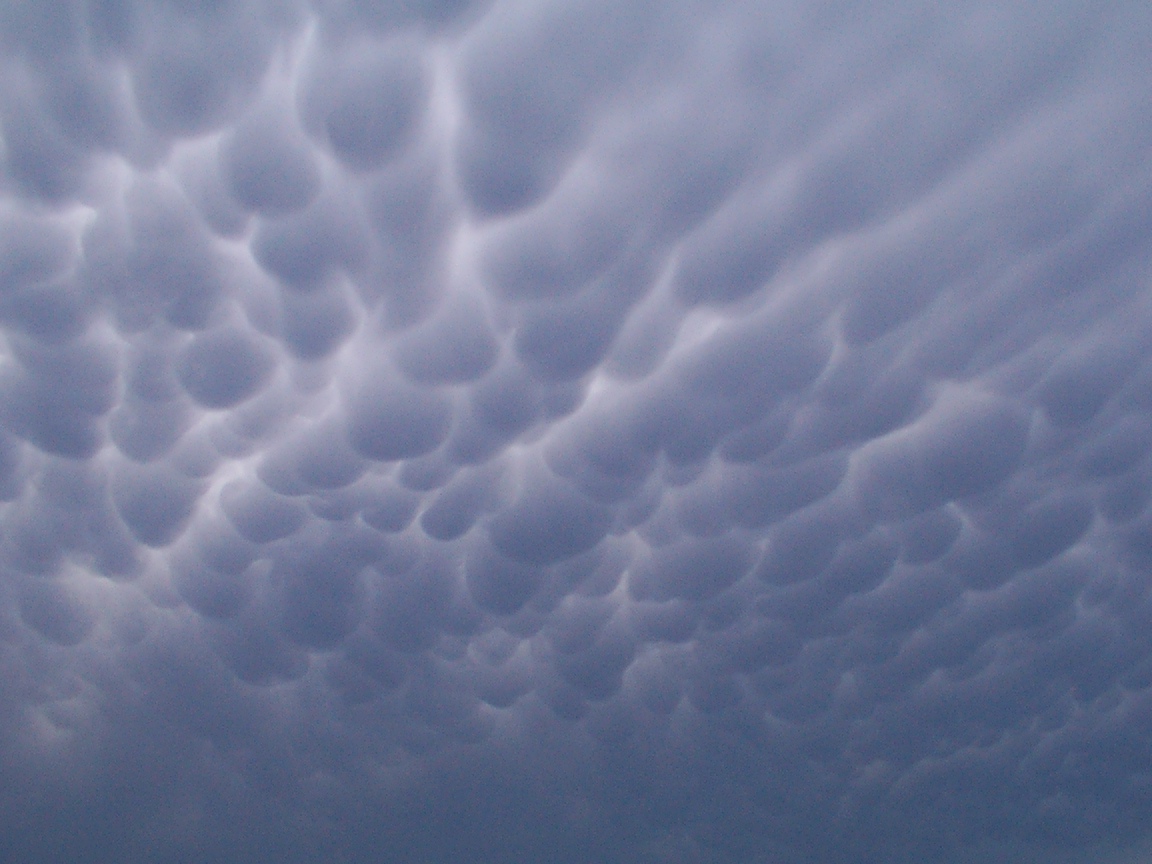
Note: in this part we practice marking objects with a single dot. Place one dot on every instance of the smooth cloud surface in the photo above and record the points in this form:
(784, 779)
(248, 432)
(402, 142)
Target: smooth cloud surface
(535, 430)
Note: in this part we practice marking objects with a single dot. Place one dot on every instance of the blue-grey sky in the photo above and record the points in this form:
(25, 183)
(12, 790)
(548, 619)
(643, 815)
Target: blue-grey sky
(575, 431)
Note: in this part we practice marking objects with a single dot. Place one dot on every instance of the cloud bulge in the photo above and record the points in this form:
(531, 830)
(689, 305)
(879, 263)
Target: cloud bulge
(535, 430)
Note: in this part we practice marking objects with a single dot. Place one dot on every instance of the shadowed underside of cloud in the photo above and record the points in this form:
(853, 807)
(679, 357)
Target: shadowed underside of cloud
(534, 430)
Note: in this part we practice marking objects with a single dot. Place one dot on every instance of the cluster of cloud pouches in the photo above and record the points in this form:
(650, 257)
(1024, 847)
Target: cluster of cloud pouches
(547, 430)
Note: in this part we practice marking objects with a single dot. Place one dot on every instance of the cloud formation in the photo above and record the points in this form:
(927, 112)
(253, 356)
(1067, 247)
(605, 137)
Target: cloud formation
(552, 430)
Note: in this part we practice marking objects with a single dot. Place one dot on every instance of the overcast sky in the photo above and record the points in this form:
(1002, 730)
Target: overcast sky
(575, 431)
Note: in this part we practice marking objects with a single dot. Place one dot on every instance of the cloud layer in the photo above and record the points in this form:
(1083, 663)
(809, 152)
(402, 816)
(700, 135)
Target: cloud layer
(572, 431)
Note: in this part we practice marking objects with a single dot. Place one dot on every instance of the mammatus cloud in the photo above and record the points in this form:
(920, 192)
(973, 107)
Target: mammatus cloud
(570, 431)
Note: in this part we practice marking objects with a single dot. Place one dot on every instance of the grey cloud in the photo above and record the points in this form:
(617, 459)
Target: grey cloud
(523, 131)
(56, 393)
(356, 16)
(459, 503)
(364, 100)
(456, 345)
(55, 612)
(314, 458)
(390, 420)
(154, 501)
(304, 249)
(258, 513)
(266, 164)
(221, 368)
(315, 324)
(691, 570)
(572, 431)
(197, 66)
(548, 521)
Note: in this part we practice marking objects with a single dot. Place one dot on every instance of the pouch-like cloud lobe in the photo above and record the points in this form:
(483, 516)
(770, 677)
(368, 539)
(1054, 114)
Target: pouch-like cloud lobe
(533, 430)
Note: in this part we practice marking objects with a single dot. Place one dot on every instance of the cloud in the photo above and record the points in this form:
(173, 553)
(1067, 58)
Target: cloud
(566, 430)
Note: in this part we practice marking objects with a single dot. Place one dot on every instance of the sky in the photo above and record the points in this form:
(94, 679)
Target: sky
(575, 431)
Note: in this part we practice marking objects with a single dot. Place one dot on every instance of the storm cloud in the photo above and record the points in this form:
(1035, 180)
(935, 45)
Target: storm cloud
(571, 431)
